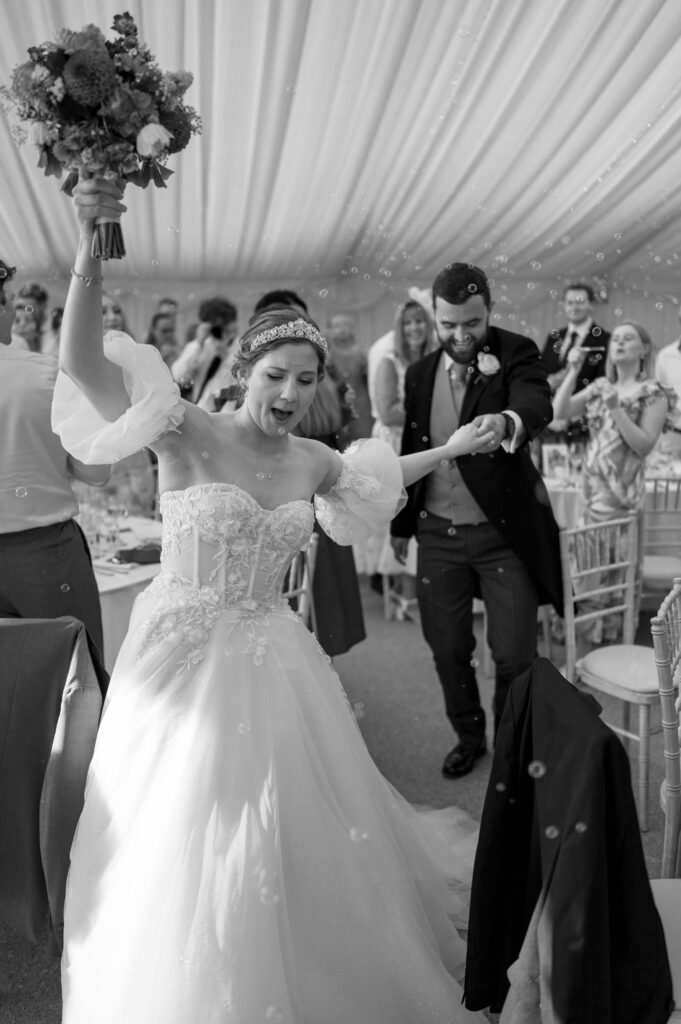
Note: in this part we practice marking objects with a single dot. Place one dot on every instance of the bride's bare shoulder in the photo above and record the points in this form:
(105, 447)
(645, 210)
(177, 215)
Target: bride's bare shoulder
(325, 463)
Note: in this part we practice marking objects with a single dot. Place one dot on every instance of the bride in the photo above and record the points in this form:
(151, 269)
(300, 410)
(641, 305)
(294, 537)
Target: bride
(239, 858)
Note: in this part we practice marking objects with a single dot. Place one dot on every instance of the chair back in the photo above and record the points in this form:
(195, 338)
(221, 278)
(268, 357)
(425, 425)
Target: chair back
(599, 578)
(665, 628)
(298, 584)
(662, 516)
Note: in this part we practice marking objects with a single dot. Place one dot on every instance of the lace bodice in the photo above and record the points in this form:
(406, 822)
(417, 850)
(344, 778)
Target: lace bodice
(218, 537)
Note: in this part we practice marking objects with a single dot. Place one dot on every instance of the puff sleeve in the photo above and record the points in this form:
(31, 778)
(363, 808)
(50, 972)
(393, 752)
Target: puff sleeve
(365, 497)
(155, 406)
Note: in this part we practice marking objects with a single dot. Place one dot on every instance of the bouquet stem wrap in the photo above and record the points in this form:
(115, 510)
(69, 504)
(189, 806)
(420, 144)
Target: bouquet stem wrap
(107, 241)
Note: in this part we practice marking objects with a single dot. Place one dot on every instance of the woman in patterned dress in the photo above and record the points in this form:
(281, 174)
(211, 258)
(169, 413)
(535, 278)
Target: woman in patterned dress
(626, 411)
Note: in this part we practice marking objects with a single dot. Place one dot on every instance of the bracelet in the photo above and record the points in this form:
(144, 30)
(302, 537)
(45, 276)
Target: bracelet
(87, 281)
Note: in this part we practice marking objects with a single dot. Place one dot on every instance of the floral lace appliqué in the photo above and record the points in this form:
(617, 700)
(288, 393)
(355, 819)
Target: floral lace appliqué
(254, 619)
(181, 614)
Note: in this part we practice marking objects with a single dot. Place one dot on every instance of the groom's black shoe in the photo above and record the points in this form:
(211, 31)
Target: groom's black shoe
(461, 760)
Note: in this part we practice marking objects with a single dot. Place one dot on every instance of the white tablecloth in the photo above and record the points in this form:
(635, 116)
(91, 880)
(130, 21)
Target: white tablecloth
(118, 588)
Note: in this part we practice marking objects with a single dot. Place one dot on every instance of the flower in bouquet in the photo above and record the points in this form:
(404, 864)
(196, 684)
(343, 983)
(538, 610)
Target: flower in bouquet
(101, 108)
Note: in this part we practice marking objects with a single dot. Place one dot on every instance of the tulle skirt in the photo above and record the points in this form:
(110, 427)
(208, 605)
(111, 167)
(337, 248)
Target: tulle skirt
(240, 859)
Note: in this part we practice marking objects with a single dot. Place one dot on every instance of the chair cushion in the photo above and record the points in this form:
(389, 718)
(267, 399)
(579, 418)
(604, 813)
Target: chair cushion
(629, 666)
(660, 570)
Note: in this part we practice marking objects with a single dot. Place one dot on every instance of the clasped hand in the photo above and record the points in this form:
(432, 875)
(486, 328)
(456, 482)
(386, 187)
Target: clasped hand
(484, 433)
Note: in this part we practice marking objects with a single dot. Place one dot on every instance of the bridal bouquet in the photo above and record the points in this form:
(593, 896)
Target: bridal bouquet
(97, 108)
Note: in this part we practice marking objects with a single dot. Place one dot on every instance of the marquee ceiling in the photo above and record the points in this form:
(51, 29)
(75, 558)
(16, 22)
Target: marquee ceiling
(362, 144)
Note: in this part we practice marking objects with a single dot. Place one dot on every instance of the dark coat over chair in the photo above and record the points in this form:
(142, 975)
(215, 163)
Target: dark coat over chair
(559, 835)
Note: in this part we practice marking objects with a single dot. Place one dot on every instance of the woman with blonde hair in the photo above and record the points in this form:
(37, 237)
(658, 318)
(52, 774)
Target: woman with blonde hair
(625, 411)
(413, 337)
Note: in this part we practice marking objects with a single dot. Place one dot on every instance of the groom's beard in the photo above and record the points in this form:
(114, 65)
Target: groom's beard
(459, 353)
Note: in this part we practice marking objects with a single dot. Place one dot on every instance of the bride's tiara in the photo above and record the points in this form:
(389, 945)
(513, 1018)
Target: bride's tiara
(293, 329)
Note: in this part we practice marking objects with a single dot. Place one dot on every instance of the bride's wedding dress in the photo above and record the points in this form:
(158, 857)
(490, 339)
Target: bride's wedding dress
(239, 858)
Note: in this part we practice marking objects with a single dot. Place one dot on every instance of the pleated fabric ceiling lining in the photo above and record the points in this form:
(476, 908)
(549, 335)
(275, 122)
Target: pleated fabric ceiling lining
(352, 148)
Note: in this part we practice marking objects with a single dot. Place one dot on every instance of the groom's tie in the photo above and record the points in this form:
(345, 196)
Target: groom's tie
(457, 386)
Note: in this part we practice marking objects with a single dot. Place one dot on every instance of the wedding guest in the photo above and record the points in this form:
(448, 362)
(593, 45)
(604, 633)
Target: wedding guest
(668, 373)
(385, 344)
(31, 309)
(113, 317)
(484, 524)
(580, 331)
(625, 412)
(35, 294)
(161, 334)
(168, 306)
(26, 326)
(202, 357)
(45, 565)
(348, 367)
(50, 341)
(412, 337)
(235, 828)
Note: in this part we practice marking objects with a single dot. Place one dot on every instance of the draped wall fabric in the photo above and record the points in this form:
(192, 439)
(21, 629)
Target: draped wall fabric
(353, 147)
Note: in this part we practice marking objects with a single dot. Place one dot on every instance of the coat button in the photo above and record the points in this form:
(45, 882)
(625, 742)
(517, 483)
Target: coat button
(423, 514)
(425, 440)
(414, 426)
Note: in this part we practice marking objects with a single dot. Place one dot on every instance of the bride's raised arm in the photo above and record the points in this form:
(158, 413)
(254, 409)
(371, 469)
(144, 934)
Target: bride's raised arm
(81, 355)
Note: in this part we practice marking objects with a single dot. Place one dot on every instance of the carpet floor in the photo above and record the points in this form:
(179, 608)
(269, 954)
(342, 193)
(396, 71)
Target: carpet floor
(391, 682)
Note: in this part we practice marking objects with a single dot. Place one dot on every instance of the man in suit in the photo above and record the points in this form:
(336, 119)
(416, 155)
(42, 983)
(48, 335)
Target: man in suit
(483, 523)
(580, 330)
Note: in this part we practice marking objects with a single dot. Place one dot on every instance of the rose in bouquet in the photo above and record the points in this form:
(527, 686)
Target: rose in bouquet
(101, 108)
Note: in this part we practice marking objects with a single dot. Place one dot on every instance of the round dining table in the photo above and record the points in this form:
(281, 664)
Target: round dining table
(120, 584)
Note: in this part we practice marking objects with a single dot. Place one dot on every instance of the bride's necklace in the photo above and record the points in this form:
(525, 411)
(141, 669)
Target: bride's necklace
(262, 473)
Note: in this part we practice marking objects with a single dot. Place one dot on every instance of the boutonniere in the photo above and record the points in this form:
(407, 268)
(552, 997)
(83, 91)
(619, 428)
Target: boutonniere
(488, 364)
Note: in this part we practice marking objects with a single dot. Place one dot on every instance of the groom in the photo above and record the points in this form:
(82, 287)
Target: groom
(483, 523)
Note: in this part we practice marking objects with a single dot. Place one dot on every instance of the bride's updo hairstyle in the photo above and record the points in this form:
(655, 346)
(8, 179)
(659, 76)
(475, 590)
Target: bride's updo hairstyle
(272, 329)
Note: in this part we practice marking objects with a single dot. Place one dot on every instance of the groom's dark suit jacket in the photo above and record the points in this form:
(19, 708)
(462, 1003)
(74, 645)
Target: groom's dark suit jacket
(508, 488)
